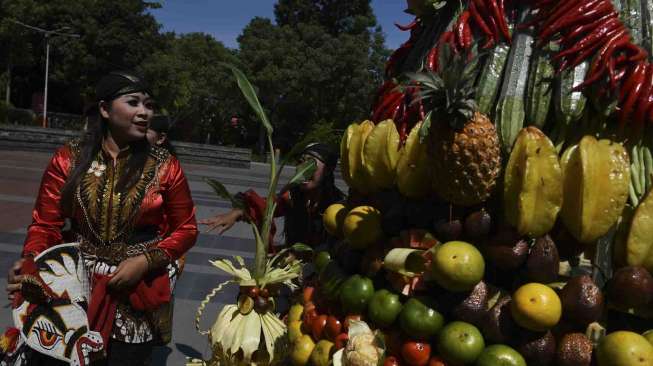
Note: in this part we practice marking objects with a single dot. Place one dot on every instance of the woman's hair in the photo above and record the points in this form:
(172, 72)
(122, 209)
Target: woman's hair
(108, 89)
(161, 124)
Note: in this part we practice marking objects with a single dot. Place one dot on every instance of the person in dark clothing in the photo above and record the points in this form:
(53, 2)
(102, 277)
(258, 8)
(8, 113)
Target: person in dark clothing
(158, 133)
(301, 205)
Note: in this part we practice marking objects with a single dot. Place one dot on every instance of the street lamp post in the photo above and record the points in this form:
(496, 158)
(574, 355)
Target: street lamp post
(47, 34)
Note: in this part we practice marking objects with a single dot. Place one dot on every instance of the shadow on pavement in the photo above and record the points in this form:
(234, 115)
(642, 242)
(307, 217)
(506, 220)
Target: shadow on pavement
(160, 355)
(188, 351)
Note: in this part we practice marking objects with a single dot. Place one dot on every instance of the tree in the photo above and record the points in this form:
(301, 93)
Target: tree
(190, 84)
(320, 63)
(114, 35)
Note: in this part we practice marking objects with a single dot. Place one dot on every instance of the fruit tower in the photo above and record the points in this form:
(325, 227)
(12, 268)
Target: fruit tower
(499, 209)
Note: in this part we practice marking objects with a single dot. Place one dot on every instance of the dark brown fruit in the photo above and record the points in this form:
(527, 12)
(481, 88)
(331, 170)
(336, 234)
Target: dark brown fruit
(543, 262)
(446, 230)
(538, 349)
(507, 250)
(261, 304)
(478, 224)
(473, 308)
(631, 287)
(582, 300)
(574, 349)
(498, 325)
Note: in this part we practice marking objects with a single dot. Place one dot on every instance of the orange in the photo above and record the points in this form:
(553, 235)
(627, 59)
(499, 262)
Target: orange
(536, 307)
(458, 266)
(333, 219)
(362, 227)
(624, 348)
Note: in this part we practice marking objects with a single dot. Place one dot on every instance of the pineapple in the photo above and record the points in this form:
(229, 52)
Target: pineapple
(463, 142)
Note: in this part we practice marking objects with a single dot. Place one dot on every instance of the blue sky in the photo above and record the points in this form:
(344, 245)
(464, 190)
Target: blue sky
(224, 19)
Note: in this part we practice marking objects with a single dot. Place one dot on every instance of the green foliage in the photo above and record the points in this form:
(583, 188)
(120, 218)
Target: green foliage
(303, 172)
(191, 85)
(114, 35)
(325, 132)
(322, 61)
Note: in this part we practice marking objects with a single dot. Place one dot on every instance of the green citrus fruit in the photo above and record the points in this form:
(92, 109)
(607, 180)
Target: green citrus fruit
(460, 343)
(500, 355)
(458, 266)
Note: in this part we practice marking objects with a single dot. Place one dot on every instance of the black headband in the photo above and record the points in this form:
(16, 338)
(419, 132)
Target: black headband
(322, 152)
(118, 83)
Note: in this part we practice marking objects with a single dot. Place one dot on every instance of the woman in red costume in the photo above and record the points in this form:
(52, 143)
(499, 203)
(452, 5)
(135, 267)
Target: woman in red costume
(116, 190)
(301, 205)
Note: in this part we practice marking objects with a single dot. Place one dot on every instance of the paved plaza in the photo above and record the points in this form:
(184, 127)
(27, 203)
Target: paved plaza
(20, 174)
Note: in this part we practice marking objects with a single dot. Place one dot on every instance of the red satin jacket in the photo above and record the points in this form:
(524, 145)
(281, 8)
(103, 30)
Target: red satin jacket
(161, 199)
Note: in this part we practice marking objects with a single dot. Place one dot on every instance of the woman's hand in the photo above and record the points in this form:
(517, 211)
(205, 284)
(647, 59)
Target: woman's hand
(14, 278)
(129, 273)
(223, 222)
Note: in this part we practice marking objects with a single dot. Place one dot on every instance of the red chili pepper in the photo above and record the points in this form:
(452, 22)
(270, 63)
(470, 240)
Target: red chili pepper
(500, 19)
(640, 53)
(643, 102)
(613, 67)
(407, 27)
(602, 60)
(631, 81)
(592, 49)
(481, 24)
(561, 10)
(431, 59)
(592, 10)
(467, 35)
(582, 29)
(388, 101)
(484, 11)
(609, 22)
(633, 94)
(592, 41)
(460, 28)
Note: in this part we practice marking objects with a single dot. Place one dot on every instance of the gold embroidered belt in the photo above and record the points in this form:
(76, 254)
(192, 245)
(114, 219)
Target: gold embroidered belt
(115, 253)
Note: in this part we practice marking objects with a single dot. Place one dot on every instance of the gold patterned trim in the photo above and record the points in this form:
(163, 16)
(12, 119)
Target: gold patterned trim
(109, 216)
(116, 252)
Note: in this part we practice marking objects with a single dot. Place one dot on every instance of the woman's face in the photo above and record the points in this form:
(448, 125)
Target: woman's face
(316, 180)
(129, 116)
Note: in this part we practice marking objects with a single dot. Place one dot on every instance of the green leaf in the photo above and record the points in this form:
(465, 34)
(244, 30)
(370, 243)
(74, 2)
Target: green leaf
(301, 247)
(426, 126)
(304, 171)
(250, 94)
(423, 78)
(223, 193)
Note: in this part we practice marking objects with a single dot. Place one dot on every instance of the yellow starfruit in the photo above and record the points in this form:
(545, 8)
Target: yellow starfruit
(359, 177)
(639, 247)
(380, 155)
(532, 184)
(596, 178)
(345, 146)
(413, 178)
